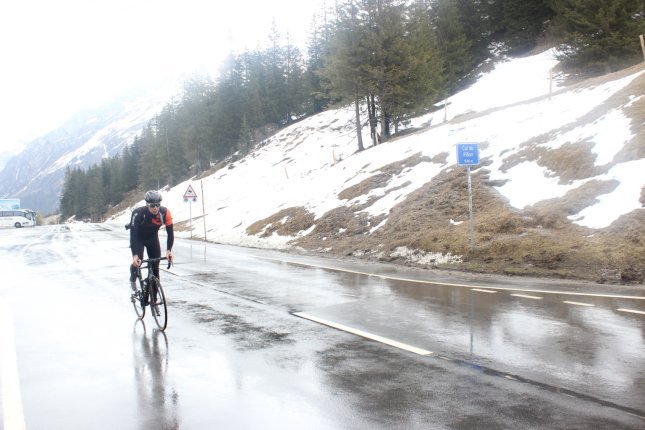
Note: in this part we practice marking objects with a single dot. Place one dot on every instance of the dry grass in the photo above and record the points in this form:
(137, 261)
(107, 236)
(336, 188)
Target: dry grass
(287, 222)
(571, 161)
(538, 241)
(553, 213)
(382, 177)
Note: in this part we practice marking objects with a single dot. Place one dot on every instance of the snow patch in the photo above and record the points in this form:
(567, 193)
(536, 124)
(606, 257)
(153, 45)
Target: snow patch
(417, 256)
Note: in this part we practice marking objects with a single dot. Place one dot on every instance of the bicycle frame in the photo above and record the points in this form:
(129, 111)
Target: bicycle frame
(150, 293)
(148, 265)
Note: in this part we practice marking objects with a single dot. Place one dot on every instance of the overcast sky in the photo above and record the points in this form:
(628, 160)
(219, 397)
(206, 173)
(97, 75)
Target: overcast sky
(61, 56)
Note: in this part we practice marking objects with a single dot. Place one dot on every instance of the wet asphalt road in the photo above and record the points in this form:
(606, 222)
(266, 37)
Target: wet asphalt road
(251, 343)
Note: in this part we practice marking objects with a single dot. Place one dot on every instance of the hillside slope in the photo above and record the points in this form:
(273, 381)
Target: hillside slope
(559, 190)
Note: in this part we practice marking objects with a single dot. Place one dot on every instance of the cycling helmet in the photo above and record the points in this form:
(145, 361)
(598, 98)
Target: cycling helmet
(153, 196)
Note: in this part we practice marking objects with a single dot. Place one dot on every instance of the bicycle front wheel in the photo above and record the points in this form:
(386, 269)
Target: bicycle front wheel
(158, 305)
(137, 300)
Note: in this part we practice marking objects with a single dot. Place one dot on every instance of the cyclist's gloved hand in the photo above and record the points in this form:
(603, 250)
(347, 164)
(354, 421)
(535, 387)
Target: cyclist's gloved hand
(169, 256)
(136, 261)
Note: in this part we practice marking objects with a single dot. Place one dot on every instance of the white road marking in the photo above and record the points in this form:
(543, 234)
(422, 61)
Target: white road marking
(483, 291)
(527, 296)
(577, 303)
(10, 385)
(631, 311)
(450, 284)
(364, 334)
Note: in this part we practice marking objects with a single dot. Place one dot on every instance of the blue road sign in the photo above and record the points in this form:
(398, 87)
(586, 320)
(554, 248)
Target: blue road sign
(467, 154)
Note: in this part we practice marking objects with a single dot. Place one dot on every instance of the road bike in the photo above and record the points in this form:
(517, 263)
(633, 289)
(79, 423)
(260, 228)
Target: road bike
(148, 292)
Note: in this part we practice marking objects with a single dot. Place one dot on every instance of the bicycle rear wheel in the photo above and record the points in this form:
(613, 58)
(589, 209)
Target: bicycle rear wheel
(158, 305)
(137, 300)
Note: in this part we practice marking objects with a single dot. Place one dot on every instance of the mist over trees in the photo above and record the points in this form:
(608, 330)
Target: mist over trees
(391, 59)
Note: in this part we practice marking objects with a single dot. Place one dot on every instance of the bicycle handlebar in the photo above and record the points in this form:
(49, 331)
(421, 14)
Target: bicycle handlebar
(154, 260)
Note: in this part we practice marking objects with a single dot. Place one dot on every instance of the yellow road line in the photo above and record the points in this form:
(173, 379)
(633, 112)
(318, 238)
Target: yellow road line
(11, 399)
(364, 334)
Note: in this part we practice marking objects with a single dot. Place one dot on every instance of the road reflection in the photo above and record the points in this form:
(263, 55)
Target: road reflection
(592, 349)
(157, 403)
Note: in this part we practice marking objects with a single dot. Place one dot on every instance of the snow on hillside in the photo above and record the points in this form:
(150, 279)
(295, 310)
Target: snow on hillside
(309, 163)
(509, 82)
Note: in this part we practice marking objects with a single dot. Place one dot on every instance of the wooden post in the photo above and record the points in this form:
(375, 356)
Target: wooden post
(643, 46)
(203, 209)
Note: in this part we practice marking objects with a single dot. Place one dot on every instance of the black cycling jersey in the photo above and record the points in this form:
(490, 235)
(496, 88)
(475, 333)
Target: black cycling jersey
(144, 228)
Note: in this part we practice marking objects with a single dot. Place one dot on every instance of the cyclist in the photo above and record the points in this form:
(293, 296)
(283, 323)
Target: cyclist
(144, 225)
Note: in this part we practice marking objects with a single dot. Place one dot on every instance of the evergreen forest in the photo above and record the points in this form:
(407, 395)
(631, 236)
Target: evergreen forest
(390, 59)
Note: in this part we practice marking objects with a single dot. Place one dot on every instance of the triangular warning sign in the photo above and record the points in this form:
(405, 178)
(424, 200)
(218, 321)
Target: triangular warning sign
(190, 193)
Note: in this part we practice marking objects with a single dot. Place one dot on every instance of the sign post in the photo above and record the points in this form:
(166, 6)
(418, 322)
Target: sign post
(468, 155)
(190, 196)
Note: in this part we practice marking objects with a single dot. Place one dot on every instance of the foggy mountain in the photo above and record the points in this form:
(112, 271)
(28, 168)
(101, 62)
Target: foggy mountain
(36, 174)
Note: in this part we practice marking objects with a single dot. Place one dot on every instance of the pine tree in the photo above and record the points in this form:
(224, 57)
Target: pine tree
(599, 36)
(318, 48)
(67, 196)
(524, 21)
(129, 169)
(275, 103)
(75, 198)
(245, 141)
(95, 205)
(150, 161)
(424, 80)
(478, 20)
(169, 143)
(456, 48)
(344, 69)
(253, 75)
(294, 85)
(196, 132)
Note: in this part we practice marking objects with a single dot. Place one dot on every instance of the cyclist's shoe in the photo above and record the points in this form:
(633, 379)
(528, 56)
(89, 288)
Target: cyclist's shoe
(155, 308)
